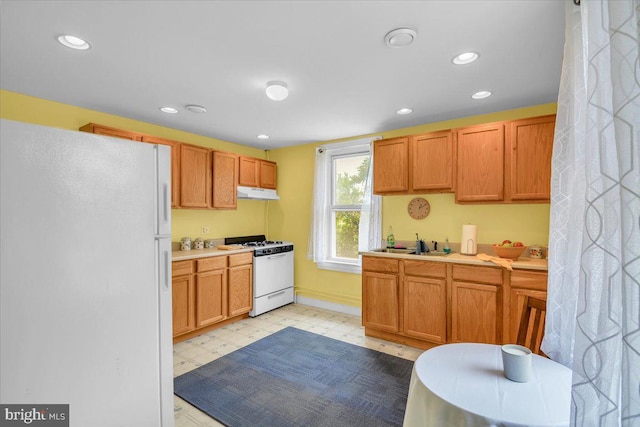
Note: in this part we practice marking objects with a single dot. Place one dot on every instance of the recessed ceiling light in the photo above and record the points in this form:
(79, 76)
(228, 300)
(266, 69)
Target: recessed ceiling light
(481, 95)
(196, 109)
(263, 136)
(277, 91)
(168, 110)
(465, 58)
(403, 111)
(400, 37)
(74, 42)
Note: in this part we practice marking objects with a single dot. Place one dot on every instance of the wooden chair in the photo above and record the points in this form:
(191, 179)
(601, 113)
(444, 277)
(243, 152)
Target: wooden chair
(531, 327)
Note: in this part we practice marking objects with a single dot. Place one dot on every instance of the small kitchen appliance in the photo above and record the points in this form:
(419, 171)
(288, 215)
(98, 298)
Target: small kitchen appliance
(272, 272)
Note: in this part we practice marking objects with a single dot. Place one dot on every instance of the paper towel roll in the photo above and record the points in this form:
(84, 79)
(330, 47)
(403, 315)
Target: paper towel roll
(469, 241)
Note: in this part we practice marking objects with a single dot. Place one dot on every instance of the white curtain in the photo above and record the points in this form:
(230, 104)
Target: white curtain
(370, 236)
(593, 317)
(317, 249)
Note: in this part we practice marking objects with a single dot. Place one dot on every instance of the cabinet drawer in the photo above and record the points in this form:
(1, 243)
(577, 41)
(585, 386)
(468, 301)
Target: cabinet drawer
(488, 275)
(212, 263)
(180, 268)
(425, 269)
(240, 259)
(529, 280)
(380, 264)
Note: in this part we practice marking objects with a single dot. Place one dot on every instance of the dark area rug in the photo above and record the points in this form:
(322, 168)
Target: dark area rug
(297, 378)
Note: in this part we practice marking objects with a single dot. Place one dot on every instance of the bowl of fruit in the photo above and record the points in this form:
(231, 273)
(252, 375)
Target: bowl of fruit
(509, 249)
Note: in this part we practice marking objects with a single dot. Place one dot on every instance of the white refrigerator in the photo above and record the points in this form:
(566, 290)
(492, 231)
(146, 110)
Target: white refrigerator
(85, 275)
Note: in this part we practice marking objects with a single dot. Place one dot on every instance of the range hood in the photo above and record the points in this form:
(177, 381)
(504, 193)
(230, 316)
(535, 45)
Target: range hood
(257, 193)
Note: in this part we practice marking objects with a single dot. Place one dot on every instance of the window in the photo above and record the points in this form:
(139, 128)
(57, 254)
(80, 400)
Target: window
(342, 206)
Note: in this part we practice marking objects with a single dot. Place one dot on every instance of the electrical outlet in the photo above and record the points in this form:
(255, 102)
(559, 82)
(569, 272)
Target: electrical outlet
(205, 229)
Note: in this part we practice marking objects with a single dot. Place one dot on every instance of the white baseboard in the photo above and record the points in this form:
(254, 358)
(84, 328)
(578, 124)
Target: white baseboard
(333, 306)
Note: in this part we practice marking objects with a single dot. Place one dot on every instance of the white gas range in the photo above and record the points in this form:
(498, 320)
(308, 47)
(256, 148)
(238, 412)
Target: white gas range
(272, 272)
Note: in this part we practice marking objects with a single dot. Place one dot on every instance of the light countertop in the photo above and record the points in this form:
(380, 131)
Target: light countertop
(524, 263)
(204, 253)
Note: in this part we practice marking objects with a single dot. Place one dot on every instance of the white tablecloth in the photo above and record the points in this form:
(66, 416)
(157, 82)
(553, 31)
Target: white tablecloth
(464, 385)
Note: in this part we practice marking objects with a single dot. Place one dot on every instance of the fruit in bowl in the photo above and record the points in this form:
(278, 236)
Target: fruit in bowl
(508, 249)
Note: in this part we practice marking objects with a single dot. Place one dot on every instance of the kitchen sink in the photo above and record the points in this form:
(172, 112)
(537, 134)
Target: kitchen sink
(410, 252)
(435, 253)
(395, 251)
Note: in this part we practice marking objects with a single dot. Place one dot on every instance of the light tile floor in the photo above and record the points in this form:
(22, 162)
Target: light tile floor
(201, 350)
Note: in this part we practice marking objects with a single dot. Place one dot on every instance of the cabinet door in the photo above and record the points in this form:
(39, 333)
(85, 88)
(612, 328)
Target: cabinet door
(391, 165)
(425, 313)
(109, 131)
(195, 177)
(240, 289)
(480, 163)
(268, 174)
(175, 165)
(380, 301)
(211, 297)
(476, 313)
(183, 304)
(432, 162)
(523, 284)
(528, 168)
(225, 180)
(249, 174)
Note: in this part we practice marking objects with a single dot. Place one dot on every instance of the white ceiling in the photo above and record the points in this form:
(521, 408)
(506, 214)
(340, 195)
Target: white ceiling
(343, 79)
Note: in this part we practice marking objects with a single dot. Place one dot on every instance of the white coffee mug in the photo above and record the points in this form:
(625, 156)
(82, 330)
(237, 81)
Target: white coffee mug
(516, 361)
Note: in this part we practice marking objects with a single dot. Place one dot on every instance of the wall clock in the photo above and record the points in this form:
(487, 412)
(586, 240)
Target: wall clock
(418, 208)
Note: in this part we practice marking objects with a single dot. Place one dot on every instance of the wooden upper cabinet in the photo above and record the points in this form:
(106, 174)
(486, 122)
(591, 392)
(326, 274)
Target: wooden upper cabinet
(195, 176)
(175, 165)
(480, 163)
(256, 172)
(528, 159)
(109, 131)
(268, 172)
(391, 166)
(225, 180)
(432, 162)
(249, 171)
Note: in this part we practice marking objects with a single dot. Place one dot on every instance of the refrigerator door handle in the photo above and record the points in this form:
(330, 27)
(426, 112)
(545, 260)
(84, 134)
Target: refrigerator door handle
(167, 269)
(166, 202)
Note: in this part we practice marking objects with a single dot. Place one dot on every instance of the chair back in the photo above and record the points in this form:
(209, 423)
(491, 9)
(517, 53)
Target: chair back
(531, 327)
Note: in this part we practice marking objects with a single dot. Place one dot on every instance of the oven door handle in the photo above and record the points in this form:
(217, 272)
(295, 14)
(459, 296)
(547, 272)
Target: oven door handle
(275, 295)
(276, 256)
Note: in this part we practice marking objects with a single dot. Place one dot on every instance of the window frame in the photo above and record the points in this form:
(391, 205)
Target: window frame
(332, 262)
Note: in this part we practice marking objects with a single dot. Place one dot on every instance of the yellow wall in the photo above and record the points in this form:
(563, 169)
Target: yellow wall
(289, 219)
(248, 219)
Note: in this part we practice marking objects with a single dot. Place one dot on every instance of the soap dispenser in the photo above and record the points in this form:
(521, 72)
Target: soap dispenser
(446, 249)
(391, 240)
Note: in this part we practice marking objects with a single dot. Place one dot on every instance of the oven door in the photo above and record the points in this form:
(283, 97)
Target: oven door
(272, 273)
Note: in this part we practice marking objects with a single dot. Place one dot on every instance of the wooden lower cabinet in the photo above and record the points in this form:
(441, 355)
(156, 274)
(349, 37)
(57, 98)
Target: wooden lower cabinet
(424, 292)
(380, 294)
(425, 303)
(523, 284)
(183, 293)
(211, 298)
(240, 284)
(210, 292)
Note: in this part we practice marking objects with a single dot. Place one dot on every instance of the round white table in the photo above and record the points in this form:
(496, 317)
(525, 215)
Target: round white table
(464, 385)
